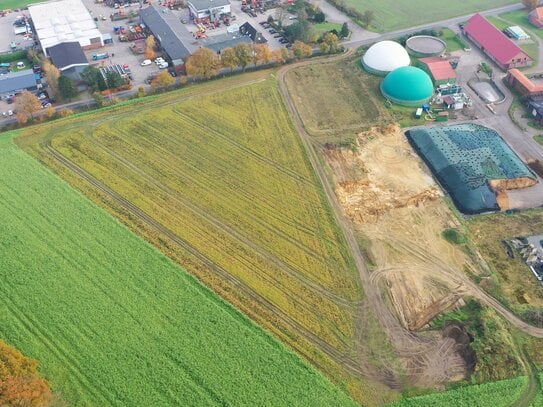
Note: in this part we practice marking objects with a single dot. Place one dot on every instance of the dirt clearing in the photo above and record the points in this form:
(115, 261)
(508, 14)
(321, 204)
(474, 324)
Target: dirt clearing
(384, 190)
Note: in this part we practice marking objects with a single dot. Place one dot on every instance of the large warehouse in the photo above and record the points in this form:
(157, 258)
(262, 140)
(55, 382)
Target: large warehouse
(384, 57)
(473, 163)
(408, 86)
(61, 21)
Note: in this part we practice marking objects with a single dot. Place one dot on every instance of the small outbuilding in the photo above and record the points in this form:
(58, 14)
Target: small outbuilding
(536, 17)
(408, 86)
(439, 69)
(384, 57)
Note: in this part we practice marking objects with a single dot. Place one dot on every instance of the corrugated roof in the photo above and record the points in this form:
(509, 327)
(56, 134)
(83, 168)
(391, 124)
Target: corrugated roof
(524, 81)
(493, 40)
(67, 55)
(63, 20)
(440, 69)
(173, 36)
(15, 81)
(202, 5)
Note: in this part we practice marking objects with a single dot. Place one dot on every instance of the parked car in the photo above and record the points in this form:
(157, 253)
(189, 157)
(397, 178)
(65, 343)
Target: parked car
(283, 41)
(43, 95)
(20, 65)
(273, 31)
(146, 62)
(163, 65)
(293, 18)
(45, 105)
(159, 60)
(278, 36)
(10, 112)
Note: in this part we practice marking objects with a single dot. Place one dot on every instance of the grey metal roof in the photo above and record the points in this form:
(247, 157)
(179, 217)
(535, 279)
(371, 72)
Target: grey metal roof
(67, 55)
(202, 5)
(15, 81)
(227, 43)
(173, 36)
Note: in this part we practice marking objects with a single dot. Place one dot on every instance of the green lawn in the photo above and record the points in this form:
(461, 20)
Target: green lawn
(16, 4)
(520, 18)
(325, 27)
(114, 322)
(503, 393)
(393, 14)
(453, 41)
(539, 139)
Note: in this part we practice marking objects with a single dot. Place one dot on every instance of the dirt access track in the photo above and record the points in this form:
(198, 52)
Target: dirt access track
(404, 221)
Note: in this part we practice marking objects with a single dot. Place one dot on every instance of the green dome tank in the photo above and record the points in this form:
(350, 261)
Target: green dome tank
(408, 86)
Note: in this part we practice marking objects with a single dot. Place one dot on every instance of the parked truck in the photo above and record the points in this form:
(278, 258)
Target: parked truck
(97, 57)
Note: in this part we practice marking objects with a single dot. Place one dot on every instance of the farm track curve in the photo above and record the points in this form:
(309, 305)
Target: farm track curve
(416, 350)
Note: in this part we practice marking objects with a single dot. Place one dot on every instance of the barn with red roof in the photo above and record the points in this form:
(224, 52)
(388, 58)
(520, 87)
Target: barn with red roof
(439, 69)
(536, 17)
(495, 44)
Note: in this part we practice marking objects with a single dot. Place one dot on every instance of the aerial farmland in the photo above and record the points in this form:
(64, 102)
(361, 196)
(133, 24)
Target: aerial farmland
(271, 204)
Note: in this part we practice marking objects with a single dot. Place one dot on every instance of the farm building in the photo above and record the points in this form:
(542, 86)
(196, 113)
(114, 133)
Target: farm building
(535, 107)
(255, 36)
(61, 21)
(522, 84)
(202, 10)
(536, 17)
(384, 57)
(172, 36)
(440, 70)
(495, 44)
(69, 58)
(473, 163)
(425, 46)
(517, 33)
(408, 86)
(14, 82)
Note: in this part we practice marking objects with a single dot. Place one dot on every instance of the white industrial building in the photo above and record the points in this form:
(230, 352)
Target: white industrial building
(61, 21)
(208, 9)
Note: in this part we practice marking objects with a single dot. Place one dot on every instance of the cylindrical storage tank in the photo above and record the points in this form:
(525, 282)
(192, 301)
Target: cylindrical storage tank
(422, 46)
(407, 86)
(384, 57)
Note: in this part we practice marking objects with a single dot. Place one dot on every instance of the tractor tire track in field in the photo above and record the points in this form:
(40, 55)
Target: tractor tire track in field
(350, 364)
(197, 211)
(423, 355)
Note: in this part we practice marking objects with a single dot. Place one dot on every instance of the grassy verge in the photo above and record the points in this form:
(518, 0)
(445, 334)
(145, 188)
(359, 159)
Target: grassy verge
(16, 4)
(453, 41)
(539, 139)
(325, 27)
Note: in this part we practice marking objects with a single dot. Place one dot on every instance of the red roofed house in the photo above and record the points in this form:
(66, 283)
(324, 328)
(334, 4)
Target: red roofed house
(495, 44)
(439, 69)
(536, 17)
(520, 82)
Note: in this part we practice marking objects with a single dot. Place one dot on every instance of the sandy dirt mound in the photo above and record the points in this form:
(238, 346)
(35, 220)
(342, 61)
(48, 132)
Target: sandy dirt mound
(392, 200)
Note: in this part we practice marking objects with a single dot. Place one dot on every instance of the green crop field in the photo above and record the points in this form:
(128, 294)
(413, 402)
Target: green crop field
(115, 322)
(394, 15)
(15, 4)
(217, 178)
(503, 393)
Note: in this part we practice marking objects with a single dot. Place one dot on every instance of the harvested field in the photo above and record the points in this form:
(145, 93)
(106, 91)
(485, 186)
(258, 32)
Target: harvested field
(216, 177)
(114, 322)
(336, 100)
